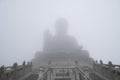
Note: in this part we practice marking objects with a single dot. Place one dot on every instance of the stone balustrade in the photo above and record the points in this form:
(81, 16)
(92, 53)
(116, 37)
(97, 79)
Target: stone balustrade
(63, 72)
(110, 71)
(15, 72)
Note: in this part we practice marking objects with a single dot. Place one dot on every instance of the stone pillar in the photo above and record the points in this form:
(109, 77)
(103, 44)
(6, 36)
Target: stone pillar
(1, 71)
(86, 71)
(40, 77)
(76, 63)
(77, 75)
(51, 75)
(48, 76)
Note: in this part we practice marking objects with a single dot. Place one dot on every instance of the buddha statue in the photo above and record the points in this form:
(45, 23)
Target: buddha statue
(62, 42)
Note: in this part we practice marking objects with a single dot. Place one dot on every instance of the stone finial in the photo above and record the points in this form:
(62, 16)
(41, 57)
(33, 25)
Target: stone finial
(42, 68)
(101, 62)
(1, 70)
(15, 65)
(96, 61)
(24, 63)
(76, 62)
(2, 67)
(49, 62)
(30, 63)
(110, 64)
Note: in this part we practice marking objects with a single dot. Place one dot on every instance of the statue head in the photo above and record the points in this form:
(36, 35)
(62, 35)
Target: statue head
(61, 26)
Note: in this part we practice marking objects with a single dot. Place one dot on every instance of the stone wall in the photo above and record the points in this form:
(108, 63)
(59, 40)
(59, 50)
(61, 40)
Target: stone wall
(15, 72)
(110, 71)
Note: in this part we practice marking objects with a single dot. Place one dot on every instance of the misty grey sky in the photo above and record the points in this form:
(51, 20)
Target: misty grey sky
(94, 23)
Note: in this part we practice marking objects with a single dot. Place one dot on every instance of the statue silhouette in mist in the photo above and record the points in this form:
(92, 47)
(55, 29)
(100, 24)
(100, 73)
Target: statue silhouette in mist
(62, 41)
(60, 47)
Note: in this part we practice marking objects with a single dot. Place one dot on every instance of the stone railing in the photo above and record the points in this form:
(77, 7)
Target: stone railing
(110, 71)
(15, 72)
(51, 72)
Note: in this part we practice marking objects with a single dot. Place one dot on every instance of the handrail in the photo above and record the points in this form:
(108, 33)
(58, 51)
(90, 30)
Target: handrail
(86, 77)
(83, 73)
(108, 71)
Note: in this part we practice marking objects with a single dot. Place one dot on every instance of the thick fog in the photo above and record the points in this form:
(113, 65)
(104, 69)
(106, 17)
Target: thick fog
(94, 23)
